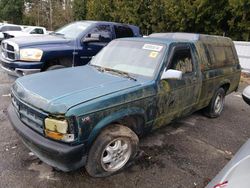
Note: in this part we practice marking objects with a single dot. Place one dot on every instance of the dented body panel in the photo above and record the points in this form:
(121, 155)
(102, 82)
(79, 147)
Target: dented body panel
(96, 99)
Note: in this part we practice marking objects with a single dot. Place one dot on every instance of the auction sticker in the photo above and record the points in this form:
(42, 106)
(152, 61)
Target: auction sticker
(153, 54)
(152, 47)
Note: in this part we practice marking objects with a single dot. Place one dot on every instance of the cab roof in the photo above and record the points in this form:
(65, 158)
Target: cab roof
(167, 38)
(194, 37)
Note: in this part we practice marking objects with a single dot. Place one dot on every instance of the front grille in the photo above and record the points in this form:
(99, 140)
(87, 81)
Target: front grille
(10, 55)
(8, 51)
(10, 48)
(29, 116)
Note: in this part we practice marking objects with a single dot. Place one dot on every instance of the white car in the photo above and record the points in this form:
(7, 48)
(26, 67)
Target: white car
(28, 31)
(8, 27)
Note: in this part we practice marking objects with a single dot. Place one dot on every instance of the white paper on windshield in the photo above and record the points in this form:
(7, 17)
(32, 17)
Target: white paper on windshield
(152, 47)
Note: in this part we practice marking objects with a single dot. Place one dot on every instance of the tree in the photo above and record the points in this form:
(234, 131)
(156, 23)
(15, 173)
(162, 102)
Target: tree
(79, 9)
(100, 10)
(240, 23)
(221, 17)
(48, 13)
(12, 10)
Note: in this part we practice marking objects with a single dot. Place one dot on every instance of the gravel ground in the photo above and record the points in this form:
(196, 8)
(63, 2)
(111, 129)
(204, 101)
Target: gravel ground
(185, 154)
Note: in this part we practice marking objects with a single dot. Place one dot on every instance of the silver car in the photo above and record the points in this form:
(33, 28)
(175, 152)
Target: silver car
(236, 174)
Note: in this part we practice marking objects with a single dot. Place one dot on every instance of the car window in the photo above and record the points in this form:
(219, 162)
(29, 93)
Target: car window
(182, 61)
(220, 55)
(10, 28)
(123, 31)
(37, 31)
(104, 31)
(4, 28)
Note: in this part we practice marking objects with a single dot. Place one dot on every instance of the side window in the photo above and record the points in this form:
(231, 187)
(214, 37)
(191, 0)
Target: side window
(221, 55)
(229, 54)
(104, 31)
(123, 31)
(37, 31)
(4, 28)
(182, 61)
(14, 28)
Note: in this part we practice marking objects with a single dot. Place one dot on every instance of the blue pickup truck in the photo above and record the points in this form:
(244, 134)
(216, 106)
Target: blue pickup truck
(72, 45)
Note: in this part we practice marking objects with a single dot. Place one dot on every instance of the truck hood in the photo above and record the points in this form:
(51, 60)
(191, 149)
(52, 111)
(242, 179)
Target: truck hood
(55, 92)
(39, 40)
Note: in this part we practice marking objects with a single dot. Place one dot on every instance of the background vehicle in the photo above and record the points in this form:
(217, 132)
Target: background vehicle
(236, 173)
(8, 27)
(246, 95)
(27, 31)
(72, 45)
(93, 115)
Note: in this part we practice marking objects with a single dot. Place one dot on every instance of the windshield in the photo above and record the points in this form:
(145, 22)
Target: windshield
(72, 30)
(28, 29)
(138, 58)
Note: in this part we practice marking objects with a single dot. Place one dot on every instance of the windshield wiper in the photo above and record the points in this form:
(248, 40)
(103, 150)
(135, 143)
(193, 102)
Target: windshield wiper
(101, 69)
(125, 74)
(104, 69)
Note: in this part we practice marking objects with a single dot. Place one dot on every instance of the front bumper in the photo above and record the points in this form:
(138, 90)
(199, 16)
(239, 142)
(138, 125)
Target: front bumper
(20, 68)
(61, 156)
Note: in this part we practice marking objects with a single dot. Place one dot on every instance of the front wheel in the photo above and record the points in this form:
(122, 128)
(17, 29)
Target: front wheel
(111, 151)
(216, 105)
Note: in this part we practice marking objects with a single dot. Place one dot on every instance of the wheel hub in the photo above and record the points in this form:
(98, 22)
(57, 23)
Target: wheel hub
(116, 154)
(218, 104)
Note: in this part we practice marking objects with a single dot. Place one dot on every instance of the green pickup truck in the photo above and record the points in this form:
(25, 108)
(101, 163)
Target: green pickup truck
(94, 115)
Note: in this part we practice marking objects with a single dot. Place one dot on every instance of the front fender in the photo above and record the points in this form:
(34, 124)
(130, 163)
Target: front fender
(114, 117)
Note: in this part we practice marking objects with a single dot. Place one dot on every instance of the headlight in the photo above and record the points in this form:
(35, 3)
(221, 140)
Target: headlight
(58, 130)
(31, 54)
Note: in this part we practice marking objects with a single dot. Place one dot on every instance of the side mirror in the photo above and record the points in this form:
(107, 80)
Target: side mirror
(172, 74)
(92, 38)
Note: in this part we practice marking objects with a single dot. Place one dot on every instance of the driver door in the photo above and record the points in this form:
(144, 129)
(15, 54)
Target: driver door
(177, 97)
(90, 49)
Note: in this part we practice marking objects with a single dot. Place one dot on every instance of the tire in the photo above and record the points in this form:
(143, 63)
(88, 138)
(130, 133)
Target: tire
(55, 67)
(106, 156)
(216, 105)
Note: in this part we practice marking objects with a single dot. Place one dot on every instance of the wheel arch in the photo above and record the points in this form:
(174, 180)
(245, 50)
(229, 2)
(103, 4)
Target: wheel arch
(64, 61)
(225, 84)
(134, 118)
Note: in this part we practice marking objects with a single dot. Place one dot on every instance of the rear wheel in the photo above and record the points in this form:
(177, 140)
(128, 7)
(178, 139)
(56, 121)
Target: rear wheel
(111, 151)
(216, 105)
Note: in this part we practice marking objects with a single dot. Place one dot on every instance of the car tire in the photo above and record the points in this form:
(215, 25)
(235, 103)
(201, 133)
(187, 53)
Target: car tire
(111, 151)
(216, 105)
(55, 67)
